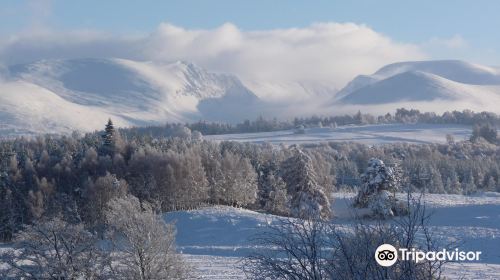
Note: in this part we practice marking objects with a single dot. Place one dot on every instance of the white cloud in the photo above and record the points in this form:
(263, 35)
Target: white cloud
(324, 52)
(321, 52)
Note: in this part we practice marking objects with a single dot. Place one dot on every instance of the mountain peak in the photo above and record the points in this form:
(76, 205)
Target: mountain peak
(455, 70)
(421, 81)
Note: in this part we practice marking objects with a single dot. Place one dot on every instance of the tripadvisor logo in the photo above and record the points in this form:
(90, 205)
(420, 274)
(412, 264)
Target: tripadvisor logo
(386, 255)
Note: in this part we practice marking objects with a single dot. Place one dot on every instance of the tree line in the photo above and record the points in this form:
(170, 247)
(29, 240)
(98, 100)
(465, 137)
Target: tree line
(261, 124)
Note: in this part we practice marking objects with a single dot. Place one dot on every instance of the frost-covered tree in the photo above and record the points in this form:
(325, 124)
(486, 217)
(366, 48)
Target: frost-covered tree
(55, 249)
(196, 136)
(486, 131)
(272, 193)
(490, 184)
(436, 181)
(377, 192)
(274, 196)
(452, 184)
(182, 132)
(325, 173)
(99, 193)
(308, 199)
(468, 184)
(187, 186)
(235, 181)
(141, 175)
(144, 244)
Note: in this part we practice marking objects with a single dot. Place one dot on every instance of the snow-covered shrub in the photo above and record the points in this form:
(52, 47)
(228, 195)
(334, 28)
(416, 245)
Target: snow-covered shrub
(384, 204)
(379, 181)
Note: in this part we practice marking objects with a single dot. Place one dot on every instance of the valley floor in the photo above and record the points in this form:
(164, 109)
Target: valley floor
(216, 239)
(366, 134)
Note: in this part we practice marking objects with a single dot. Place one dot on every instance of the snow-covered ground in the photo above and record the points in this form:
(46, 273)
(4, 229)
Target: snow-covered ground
(216, 239)
(368, 134)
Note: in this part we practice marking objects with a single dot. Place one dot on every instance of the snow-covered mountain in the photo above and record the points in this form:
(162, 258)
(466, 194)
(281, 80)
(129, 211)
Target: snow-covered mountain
(80, 94)
(424, 81)
(59, 96)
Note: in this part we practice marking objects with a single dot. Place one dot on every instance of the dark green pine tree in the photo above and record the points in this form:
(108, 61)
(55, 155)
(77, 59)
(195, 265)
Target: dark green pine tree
(108, 137)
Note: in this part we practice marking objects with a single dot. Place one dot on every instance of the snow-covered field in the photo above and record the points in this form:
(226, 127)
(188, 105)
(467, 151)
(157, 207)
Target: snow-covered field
(215, 239)
(367, 134)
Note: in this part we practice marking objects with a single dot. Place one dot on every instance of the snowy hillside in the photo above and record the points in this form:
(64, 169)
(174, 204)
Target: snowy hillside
(424, 81)
(215, 239)
(60, 95)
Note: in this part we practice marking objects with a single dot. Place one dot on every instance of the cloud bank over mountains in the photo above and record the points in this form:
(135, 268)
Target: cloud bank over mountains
(328, 53)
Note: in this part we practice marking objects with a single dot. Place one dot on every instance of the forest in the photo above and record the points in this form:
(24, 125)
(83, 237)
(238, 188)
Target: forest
(75, 176)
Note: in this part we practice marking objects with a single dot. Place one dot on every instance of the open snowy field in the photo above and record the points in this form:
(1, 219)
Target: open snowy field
(215, 239)
(367, 134)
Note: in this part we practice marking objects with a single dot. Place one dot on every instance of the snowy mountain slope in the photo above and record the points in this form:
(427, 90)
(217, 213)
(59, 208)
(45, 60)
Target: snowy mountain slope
(410, 86)
(26, 108)
(423, 81)
(130, 92)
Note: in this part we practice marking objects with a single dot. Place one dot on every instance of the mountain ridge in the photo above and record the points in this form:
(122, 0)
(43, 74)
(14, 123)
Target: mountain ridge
(130, 92)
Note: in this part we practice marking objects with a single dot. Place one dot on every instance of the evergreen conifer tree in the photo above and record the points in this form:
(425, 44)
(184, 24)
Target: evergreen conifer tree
(108, 138)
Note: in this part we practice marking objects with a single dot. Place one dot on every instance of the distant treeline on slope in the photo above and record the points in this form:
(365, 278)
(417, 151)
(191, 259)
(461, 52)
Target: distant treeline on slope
(466, 117)
(75, 176)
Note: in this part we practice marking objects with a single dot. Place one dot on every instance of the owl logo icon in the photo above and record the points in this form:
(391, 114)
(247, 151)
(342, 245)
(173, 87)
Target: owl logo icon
(386, 255)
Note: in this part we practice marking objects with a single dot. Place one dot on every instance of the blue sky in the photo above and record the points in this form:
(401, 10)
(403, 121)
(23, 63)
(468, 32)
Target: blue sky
(383, 32)
(411, 21)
